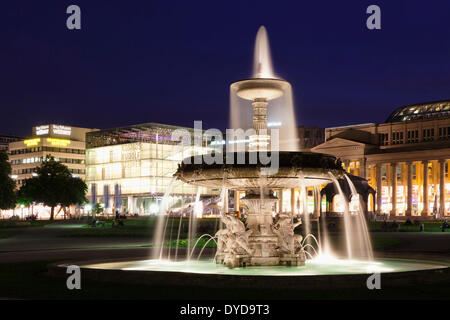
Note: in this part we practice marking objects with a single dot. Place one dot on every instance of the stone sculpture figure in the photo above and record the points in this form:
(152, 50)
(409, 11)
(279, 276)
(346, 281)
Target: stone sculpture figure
(288, 242)
(239, 236)
(233, 240)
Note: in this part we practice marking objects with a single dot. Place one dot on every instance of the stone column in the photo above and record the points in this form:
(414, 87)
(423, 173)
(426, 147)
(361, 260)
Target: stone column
(379, 192)
(394, 189)
(292, 201)
(409, 194)
(260, 141)
(425, 188)
(362, 168)
(442, 187)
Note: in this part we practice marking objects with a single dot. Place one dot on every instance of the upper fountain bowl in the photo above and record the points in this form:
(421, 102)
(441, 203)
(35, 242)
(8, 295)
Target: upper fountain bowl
(260, 88)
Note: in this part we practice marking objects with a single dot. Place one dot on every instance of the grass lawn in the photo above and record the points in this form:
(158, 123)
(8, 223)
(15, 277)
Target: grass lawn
(28, 281)
(7, 233)
(143, 228)
(429, 226)
(5, 224)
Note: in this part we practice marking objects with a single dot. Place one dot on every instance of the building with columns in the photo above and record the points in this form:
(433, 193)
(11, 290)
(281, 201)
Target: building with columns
(405, 159)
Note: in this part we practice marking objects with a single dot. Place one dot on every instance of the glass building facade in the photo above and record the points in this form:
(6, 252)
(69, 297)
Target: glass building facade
(131, 168)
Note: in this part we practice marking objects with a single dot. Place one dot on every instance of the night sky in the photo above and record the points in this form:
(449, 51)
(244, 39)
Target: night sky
(172, 61)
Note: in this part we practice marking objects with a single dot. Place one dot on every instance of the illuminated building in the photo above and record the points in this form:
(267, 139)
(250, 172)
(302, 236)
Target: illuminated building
(131, 168)
(66, 144)
(6, 140)
(405, 159)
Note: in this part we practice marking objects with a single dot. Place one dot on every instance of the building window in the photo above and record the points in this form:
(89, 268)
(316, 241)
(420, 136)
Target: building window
(384, 139)
(412, 136)
(428, 134)
(397, 137)
(414, 172)
(444, 133)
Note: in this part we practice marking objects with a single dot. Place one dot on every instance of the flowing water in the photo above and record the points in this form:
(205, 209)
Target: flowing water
(159, 231)
(361, 230)
(280, 111)
(347, 218)
(357, 236)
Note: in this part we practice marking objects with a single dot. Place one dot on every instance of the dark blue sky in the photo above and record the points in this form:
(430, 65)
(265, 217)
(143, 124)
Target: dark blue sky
(172, 61)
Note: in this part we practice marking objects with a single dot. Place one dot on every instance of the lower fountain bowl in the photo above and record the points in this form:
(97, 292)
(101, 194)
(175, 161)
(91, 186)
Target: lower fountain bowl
(315, 274)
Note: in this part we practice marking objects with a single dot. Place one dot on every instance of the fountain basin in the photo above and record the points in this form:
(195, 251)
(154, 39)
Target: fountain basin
(313, 167)
(314, 267)
(315, 275)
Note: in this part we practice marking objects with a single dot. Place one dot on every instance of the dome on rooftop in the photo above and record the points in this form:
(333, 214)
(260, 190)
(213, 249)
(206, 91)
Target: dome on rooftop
(427, 110)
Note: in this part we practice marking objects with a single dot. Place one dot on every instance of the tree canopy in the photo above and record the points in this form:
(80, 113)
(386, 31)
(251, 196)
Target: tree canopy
(53, 186)
(7, 185)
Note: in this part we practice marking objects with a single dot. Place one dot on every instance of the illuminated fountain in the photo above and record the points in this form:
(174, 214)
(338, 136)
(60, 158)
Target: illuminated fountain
(259, 243)
(261, 240)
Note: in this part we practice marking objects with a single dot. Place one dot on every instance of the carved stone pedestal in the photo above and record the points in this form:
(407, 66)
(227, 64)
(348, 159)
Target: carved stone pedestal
(233, 260)
(289, 260)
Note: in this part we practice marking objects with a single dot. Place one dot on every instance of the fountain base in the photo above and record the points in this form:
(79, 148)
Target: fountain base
(241, 261)
(264, 243)
(291, 260)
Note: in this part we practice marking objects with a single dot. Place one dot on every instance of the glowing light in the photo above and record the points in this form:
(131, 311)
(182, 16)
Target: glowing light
(88, 207)
(198, 209)
(32, 142)
(154, 208)
(62, 130)
(58, 142)
(42, 130)
(222, 142)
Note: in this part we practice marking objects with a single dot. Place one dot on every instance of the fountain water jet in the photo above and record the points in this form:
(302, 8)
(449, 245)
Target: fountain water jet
(264, 89)
(262, 61)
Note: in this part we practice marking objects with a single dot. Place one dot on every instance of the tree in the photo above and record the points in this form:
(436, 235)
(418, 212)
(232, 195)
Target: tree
(7, 185)
(53, 186)
(27, 193)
